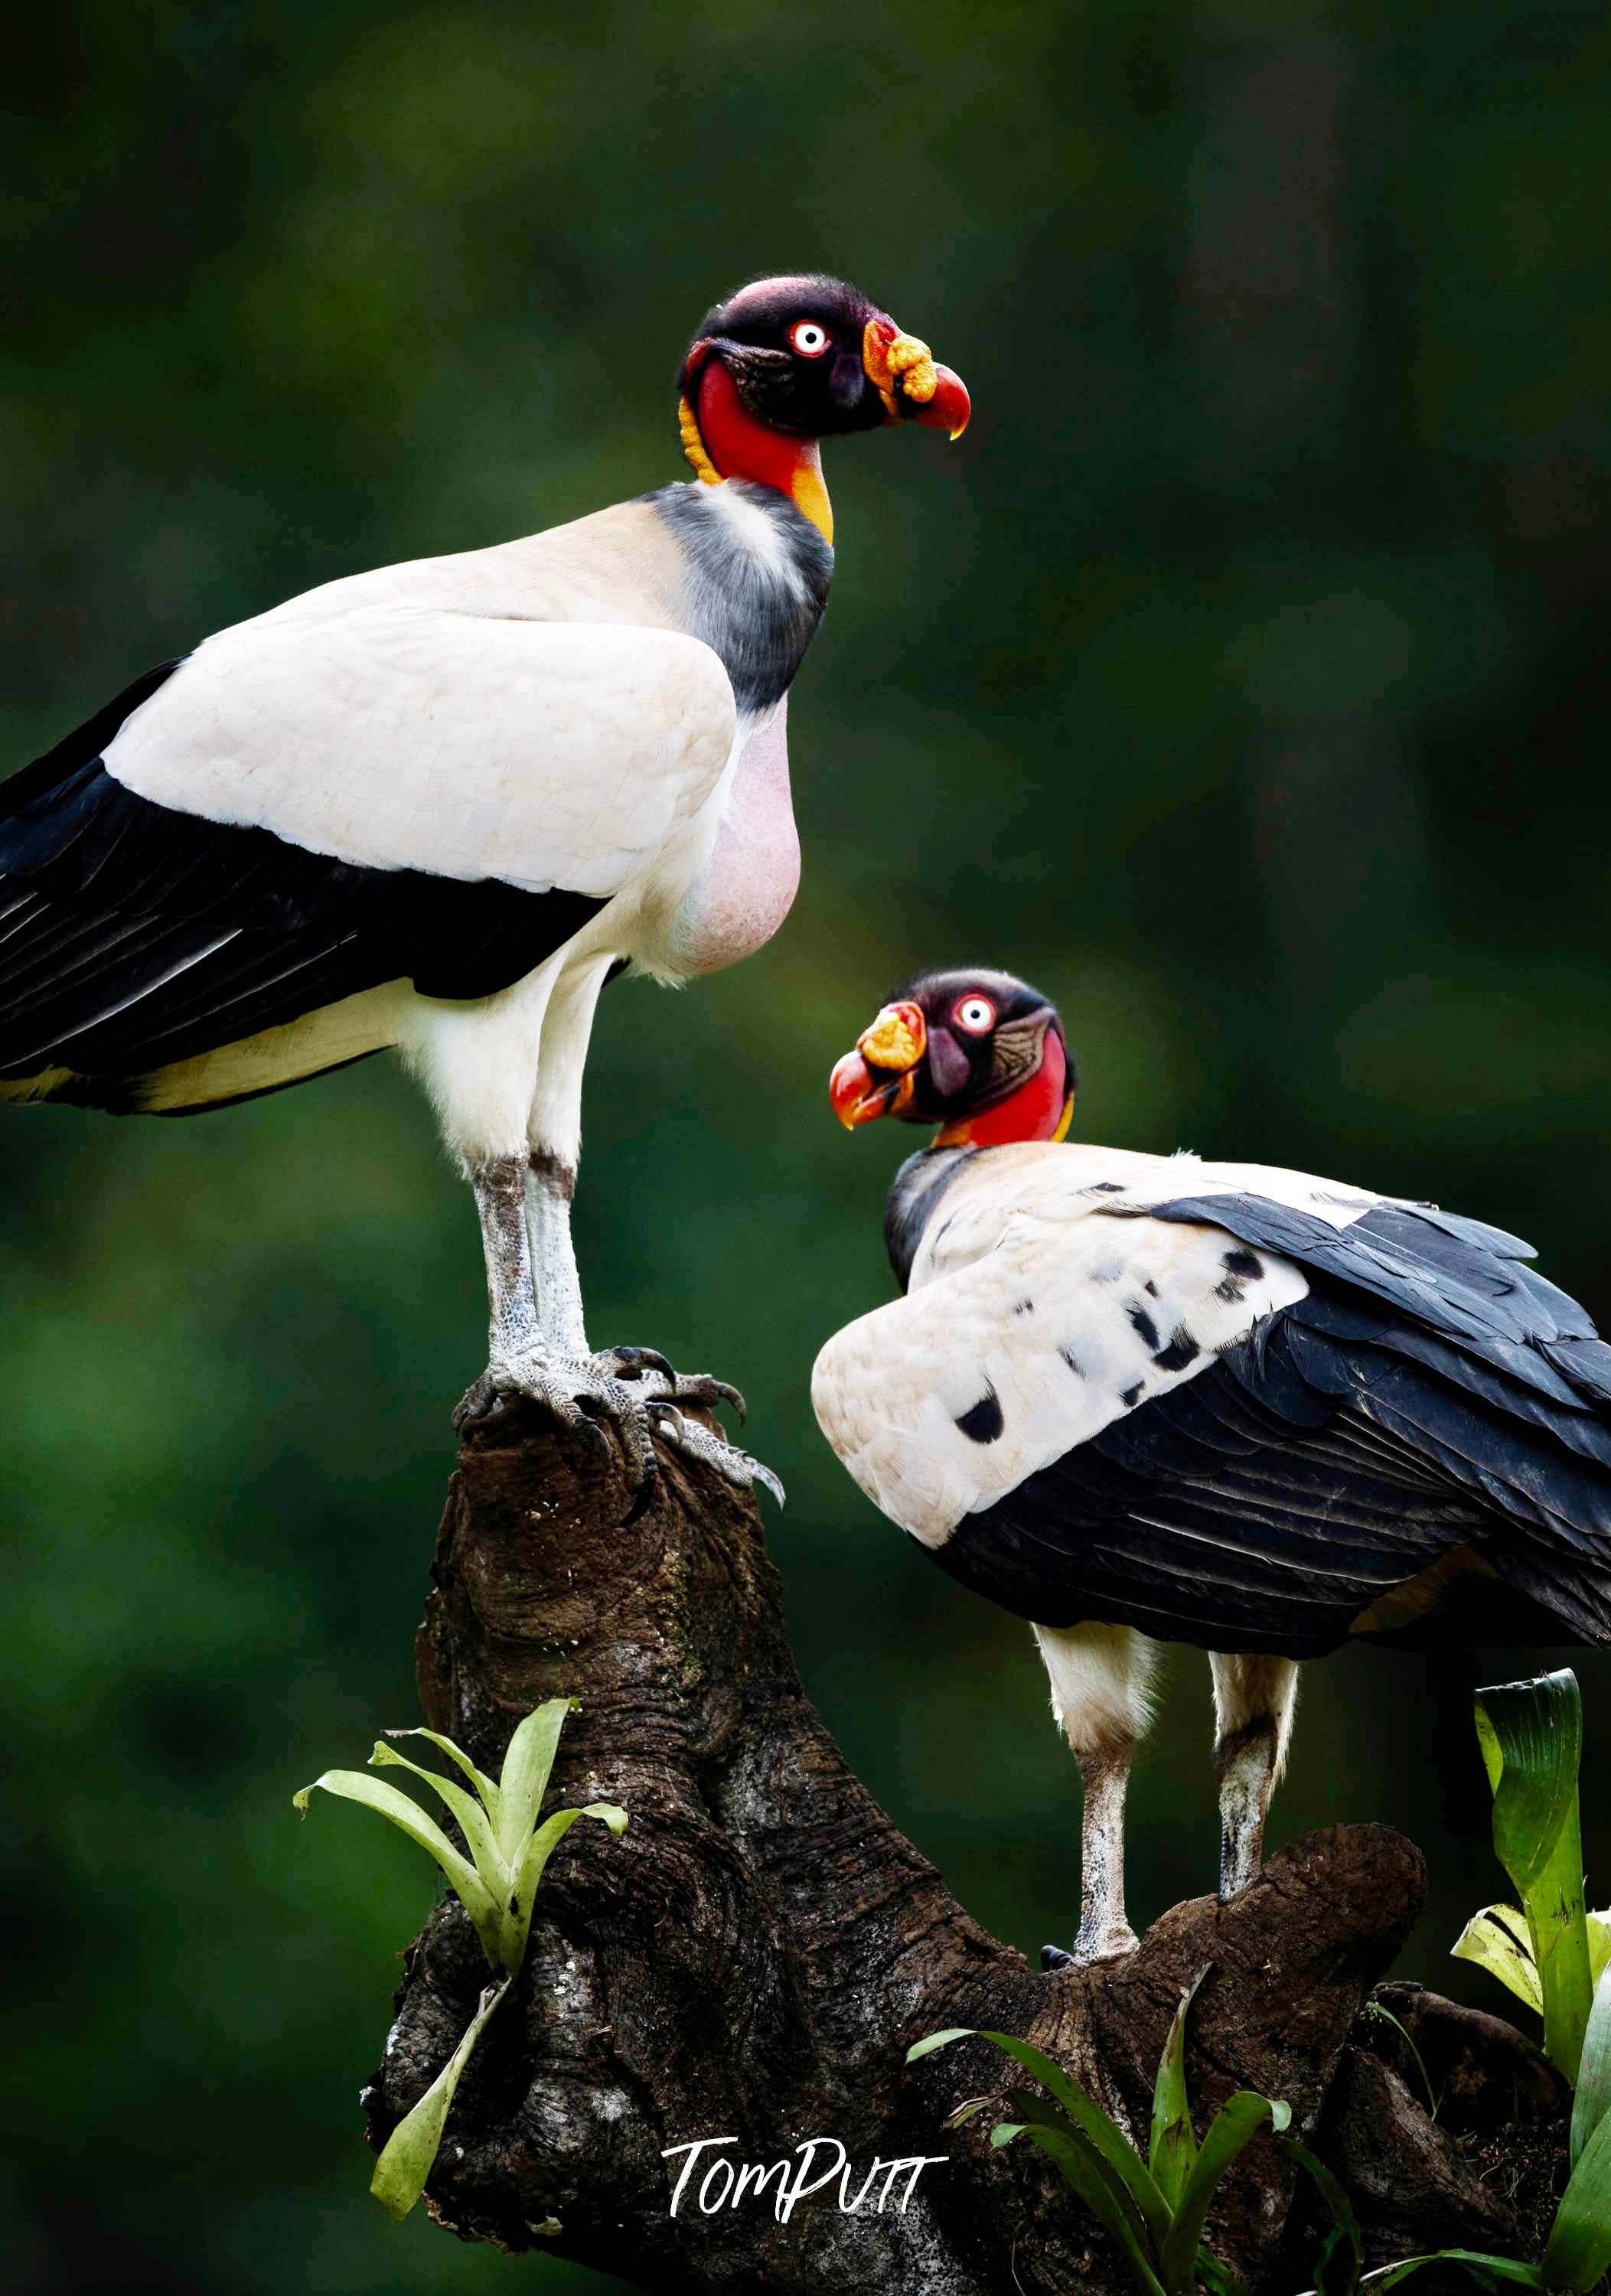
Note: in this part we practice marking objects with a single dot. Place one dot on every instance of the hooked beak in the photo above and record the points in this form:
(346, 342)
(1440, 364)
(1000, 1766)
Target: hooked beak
(879, 1078)
(913, 388)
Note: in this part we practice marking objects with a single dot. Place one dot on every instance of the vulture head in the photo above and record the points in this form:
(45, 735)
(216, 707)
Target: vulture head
(981, 1054)
(786, 362)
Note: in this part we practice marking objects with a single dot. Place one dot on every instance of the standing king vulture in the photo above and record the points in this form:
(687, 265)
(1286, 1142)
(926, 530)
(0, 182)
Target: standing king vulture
(434, 806)
(1145, 1398)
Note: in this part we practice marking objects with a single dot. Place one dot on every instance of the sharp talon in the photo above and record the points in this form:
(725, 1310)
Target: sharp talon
(633, 1362)
(766, 1478)
(729, 1394)
(1052, 1957)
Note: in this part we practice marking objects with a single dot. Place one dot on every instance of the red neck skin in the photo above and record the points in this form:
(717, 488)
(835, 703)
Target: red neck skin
(743, 448)
(1035, 1111)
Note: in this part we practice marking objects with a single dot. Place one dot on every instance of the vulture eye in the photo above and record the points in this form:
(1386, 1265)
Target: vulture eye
(809, 339)
(976, 1015)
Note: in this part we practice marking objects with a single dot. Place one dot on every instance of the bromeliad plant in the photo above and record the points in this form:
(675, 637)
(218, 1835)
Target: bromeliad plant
(1578, 2250)
(1550, 1951)
(1152, 2209)
(496, 1884)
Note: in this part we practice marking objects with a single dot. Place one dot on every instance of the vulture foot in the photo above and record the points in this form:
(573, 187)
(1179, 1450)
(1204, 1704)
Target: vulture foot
(675, 1386)
(579, 1391)
(697, 1442)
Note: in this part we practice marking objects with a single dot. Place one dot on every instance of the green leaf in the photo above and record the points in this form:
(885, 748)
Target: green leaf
(933, 2041)
(1592, 2101)
(1482, 2268)
(1499, 1941)
(1123, 2162)
(1217, 2278)
(1599, 1943)
(374, 1794)
(515, 1926)
(525, 1775)
(1232, 2126)
(1344, 2233)
(479, 1779)
(1579, 2247)
(1531, 1736)
(466, 1807)
(411, 2149)
(1172, 2147)
(1034, 2112)
(1077, 2161)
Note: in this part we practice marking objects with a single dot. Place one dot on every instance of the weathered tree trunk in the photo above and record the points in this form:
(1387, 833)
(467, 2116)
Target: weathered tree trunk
(752, 1959)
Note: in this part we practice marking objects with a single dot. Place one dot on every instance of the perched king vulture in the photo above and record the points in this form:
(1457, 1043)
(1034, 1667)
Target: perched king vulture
(434, 806)
(1144, 1399)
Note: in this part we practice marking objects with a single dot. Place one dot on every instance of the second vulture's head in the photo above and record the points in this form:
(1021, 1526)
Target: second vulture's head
(784, 362)
(981, 1054)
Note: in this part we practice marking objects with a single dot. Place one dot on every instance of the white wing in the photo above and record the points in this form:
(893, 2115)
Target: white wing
(399, 734)
(1067, 1323)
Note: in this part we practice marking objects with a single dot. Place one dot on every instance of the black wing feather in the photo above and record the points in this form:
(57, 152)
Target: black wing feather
(1429, 1395)
(132, 935)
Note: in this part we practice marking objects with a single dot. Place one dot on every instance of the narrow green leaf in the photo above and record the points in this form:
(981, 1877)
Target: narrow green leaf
(933, 2041)
(1076, 2160)
(1599, 1944)
(1217, 2278)
(411, 2149)
(405, 1812)
(1499, 1941)
(1579, 2247)
(1486, 2269)
(1344, 2232)
(1531, 1735)
(1114, 2149)
(484, 1784)
(1004, 2133)
(1034, 2112)
(1172, 2146)
(515, 1926)
(524, 1780)
(466, 1807)
(1232, 2126)
(1592, 2101)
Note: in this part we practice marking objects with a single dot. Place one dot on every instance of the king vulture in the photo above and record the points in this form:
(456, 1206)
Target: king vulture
(435, 806)
(1143, 1398)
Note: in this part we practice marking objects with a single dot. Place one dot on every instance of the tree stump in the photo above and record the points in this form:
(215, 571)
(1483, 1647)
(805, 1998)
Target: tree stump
(752, 1961)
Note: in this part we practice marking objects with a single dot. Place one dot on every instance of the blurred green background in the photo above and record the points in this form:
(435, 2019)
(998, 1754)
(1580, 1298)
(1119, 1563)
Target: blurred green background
(1240, 679)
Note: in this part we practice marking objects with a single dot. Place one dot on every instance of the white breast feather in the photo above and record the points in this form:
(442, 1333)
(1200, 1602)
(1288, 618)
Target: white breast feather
(1025, 1284)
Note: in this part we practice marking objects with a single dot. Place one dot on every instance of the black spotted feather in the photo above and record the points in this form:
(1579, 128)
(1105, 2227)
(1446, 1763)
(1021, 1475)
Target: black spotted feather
(1432, 1412)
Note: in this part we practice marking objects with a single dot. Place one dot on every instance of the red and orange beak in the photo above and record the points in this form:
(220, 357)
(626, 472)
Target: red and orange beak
(878, 1077)
(912, 386)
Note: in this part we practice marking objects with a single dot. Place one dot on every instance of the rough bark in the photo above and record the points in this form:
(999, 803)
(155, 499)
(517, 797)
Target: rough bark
(753, 1958)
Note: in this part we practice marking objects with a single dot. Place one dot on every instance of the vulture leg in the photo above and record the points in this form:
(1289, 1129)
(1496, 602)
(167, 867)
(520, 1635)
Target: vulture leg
(1100, 1677)
(1254, 1700)
(538, 1344)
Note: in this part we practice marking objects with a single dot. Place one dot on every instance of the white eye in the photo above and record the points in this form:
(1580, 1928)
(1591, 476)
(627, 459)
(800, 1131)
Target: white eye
(976, 1015)
(809, 340)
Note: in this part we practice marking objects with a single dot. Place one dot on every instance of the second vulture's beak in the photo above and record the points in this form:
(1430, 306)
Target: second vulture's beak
(878, 1077)
(913, 388)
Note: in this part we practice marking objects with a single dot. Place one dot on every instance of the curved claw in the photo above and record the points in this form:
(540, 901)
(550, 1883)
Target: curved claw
(699, 1443)
(1053, 1956)
(631, 1363)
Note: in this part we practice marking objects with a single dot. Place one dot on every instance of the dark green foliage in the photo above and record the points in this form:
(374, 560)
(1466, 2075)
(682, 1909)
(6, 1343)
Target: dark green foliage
(1238, 679)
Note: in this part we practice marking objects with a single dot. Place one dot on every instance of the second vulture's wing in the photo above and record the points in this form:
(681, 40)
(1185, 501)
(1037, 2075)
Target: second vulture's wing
(308, 807)
(1265, 1435)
